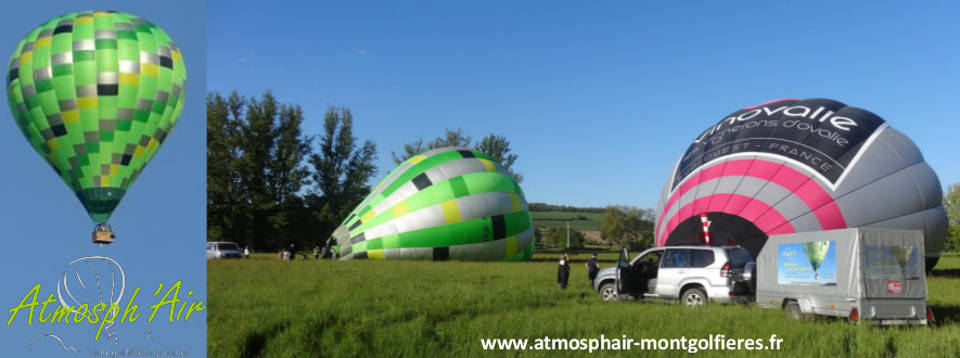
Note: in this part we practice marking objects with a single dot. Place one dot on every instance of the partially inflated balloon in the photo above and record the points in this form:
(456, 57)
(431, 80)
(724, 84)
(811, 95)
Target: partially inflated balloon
(800, 165)
(96, 93)
(444, 204)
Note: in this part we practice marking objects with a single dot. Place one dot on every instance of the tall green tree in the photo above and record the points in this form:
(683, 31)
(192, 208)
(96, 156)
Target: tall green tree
(261, 166)
(557, 237)
(452, 138)
(628, 226)
(287, 173)
(255, 159)
(951, 201)
(341, 169)
(224, 222)
(287, 170)
(258, 135)
(409, 150)
(498, 147)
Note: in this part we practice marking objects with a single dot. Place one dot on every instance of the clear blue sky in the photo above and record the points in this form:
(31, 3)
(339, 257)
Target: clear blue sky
(599, 99)
(160, 224)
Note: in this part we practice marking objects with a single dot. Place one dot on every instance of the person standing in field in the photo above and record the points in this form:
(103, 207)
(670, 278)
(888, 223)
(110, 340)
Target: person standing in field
(246, 252)
(563, 271)
(592, 268)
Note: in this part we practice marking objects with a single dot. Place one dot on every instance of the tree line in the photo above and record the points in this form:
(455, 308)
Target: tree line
(551, 207)
(269, 184)
(622, 226)
(628, 226)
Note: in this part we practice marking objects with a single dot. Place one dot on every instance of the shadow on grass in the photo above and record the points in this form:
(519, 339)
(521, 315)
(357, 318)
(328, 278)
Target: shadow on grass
(948, 273)
(945, 315)
(255, 342)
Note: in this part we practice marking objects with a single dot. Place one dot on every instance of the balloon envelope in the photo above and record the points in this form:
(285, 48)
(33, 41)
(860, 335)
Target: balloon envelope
(800, 165)
(902, 254)
(95, 94)
(816, 251)
(443, 204)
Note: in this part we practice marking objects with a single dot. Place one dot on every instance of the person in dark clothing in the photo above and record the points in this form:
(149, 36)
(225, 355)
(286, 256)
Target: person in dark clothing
(563, 271)
(294, 251)
(592, 267)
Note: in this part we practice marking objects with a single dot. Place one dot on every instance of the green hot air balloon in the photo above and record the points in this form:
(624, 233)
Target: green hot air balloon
(816, 251)
(443, 204)
(95, 94)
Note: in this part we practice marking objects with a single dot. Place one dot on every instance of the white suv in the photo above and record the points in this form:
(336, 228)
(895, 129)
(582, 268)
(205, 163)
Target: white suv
(691, 274)
(223, 250)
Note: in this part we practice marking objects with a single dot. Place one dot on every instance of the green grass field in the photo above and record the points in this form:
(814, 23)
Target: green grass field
(265, 307)
(550, 219)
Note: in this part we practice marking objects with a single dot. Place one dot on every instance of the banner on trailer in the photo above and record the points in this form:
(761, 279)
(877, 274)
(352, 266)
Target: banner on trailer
(807, 263)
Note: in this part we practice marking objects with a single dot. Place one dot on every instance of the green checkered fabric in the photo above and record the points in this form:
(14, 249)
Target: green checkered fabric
(96, 93)
(444, 204)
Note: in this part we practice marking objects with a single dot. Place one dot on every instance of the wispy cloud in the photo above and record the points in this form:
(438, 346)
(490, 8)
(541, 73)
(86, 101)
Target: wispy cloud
(241, 60)
(363, 52)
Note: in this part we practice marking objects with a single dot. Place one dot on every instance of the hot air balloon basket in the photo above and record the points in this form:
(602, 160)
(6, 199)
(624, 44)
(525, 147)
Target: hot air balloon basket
(103, 236)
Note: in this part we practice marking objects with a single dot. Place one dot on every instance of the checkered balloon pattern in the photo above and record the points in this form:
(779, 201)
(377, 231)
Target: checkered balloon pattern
(96, 93)
(443, 204)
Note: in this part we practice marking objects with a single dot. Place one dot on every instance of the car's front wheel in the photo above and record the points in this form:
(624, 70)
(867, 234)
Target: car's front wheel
(693, 297)
(608, 291)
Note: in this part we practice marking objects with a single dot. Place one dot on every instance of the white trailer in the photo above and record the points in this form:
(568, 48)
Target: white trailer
(864, 274)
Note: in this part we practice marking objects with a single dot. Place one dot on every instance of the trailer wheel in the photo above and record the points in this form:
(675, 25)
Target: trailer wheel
(792, 309)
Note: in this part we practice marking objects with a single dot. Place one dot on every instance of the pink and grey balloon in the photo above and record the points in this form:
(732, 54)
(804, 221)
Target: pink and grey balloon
(800, 165)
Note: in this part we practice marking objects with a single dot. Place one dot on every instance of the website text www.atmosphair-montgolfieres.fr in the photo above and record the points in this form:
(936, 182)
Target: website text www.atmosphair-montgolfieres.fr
(714, 342)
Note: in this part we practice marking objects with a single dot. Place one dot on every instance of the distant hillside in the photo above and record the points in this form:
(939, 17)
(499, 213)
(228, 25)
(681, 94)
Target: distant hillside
(551, 207)
(583, 221)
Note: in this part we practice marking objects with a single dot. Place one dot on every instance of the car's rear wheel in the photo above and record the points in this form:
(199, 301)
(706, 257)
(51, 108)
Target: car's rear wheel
(693, 297)
(608, 291)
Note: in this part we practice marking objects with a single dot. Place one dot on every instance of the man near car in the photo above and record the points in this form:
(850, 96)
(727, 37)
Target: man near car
(592, 268)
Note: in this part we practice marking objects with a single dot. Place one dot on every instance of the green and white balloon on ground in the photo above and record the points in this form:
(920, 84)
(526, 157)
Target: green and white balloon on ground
(443, 204)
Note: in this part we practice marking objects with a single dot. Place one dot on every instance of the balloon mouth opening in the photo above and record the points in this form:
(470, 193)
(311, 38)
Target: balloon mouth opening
(100, 202)
(103, 234)
(725, 229)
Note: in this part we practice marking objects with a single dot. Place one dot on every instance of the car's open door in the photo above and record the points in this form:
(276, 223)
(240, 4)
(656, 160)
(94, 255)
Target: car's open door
(623, 268)
(630, 279)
